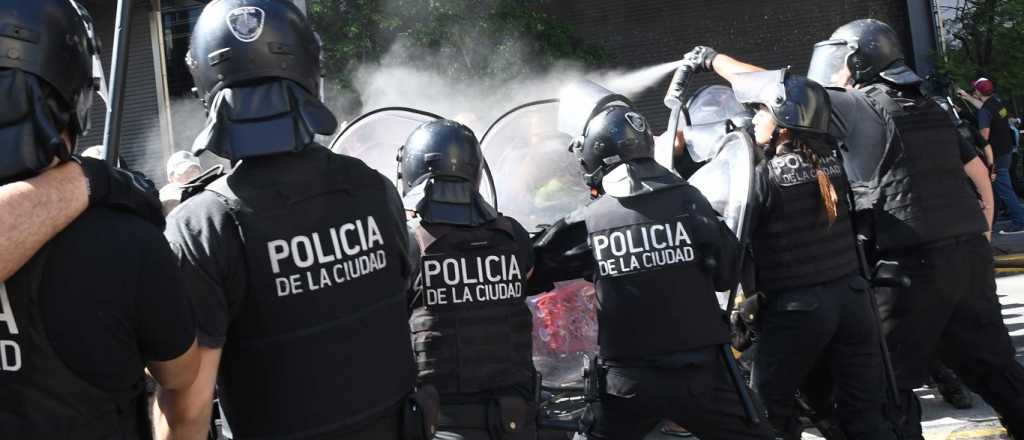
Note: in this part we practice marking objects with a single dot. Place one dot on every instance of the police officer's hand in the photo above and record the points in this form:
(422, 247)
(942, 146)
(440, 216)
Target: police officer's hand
(700, 58)
(122, 190)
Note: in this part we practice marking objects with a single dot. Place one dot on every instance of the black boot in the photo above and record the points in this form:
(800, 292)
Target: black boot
(951, 388)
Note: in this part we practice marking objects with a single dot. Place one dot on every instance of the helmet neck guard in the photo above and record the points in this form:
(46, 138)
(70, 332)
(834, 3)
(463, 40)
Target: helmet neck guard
(453, 202)
(30, 121)
(271, 117)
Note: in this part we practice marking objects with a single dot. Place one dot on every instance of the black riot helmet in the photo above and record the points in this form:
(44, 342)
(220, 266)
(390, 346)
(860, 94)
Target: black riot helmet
(239, 41)
(616, 134)
(796, 102)
(869, 48)
(53, 40)
(443, 148)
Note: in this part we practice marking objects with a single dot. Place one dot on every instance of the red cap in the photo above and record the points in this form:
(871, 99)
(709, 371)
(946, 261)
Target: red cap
(983, 86)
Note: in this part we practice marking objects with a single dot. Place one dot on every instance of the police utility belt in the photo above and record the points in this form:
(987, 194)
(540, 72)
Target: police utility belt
(595, 369)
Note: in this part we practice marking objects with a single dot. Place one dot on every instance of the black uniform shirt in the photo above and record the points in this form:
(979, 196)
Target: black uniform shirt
(212, 259)
(862, 130)
(112, 299)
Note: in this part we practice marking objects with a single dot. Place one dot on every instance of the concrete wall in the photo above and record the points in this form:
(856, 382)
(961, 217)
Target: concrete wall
(772, 34)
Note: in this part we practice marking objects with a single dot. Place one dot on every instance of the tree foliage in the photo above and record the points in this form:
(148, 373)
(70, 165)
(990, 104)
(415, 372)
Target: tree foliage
(494, 39)
(986, 38)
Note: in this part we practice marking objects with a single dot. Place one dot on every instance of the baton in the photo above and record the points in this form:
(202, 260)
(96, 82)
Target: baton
(865, 270)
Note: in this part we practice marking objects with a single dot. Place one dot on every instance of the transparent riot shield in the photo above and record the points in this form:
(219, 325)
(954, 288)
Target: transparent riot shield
(710, 109)
(375, 137)
(726, 181)
(539, 182)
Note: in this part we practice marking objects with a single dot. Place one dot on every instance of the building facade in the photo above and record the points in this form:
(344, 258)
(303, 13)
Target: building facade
(161, 114)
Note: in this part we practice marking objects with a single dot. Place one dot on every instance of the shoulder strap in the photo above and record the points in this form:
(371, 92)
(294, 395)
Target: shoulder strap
(879, 96)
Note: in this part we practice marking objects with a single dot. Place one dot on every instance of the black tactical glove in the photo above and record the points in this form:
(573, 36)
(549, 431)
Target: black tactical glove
(122, 190)
(699, 59)
(561, 253)
(744, 322)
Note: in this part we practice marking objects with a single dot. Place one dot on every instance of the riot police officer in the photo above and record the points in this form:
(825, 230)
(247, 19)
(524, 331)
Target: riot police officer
(128, 306)
(902, 158)
(470, 324)
(815, 305)
(297, 259)
(660, 253)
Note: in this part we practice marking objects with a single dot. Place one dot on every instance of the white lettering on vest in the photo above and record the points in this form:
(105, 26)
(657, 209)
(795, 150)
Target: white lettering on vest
(10, 351)
(635, 248)
(459, 280)
(351, 251)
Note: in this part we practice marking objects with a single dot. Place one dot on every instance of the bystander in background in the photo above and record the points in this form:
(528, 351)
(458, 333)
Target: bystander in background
(993, 123)
(182, 167)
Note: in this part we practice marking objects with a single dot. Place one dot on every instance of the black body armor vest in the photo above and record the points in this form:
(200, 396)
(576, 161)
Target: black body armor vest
(321, 341)
(42, 398)
(655, 291)
(923, 194)
(794, 246)
(470, 324)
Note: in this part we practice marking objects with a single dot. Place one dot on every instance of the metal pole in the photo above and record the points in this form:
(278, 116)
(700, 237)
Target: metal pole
(118, 71)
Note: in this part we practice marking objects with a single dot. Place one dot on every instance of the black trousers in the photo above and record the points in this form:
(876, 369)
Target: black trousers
(952, 299)
(698, 396)
(831, 324)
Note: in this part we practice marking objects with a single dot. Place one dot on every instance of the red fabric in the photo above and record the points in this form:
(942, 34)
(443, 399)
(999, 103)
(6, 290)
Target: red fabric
(565, 319)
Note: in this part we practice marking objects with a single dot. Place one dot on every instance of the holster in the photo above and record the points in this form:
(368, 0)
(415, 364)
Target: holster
(593, 378)
(421, 413)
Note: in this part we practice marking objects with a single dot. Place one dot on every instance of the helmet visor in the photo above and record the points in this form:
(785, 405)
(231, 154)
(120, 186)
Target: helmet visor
(828, 63)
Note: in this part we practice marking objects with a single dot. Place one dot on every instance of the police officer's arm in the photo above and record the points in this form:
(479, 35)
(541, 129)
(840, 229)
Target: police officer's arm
(35, 210)
(188, 409)
(164, 322)
(728, 67)
(717, 241)
(727, 274)
(979, 175)
(210, 257)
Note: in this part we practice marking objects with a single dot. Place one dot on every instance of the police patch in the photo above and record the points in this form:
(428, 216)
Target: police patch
(246, 23)
(639, 123)
(791, 169)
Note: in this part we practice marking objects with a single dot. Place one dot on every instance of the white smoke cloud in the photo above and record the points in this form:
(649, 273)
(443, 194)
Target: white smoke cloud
(397, 81)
